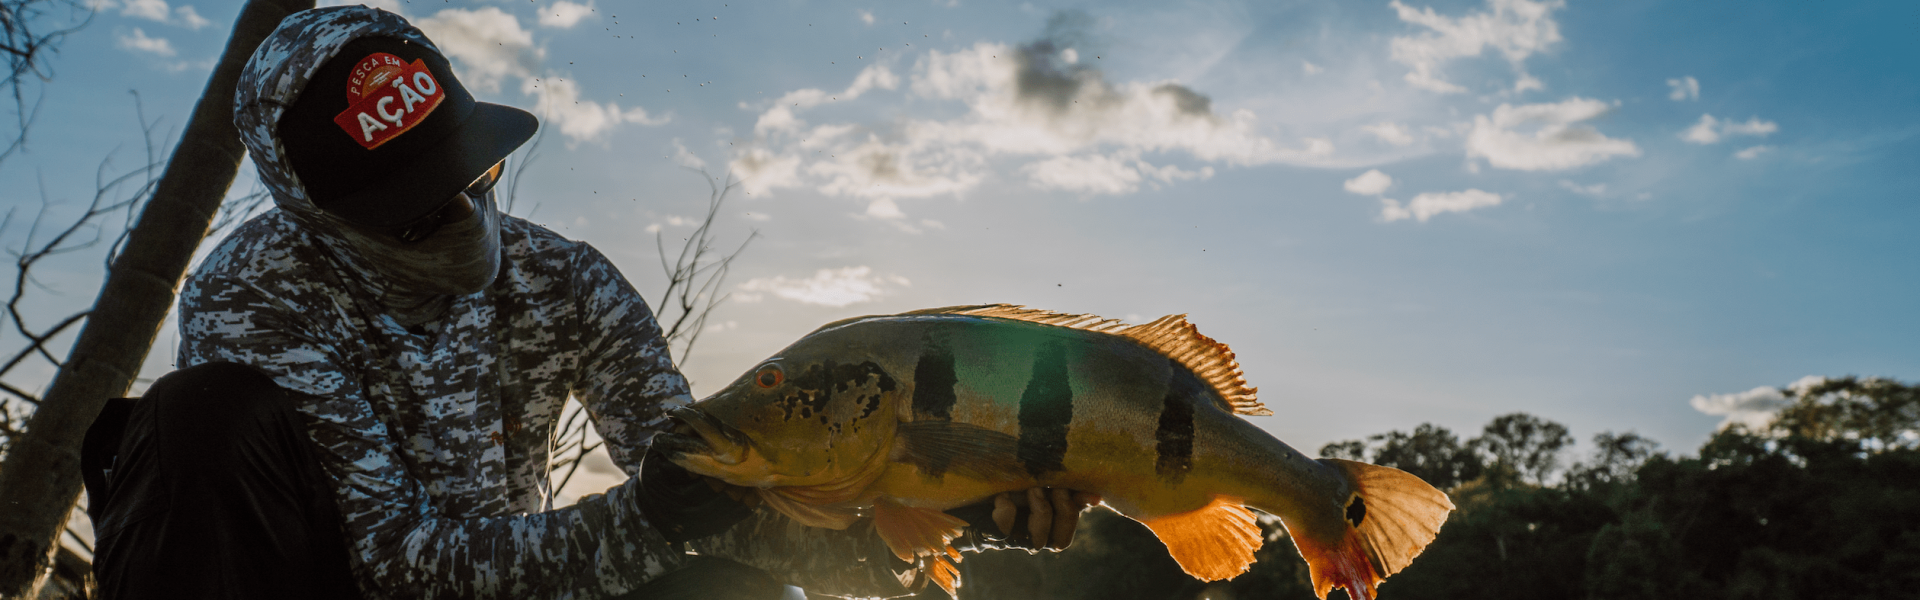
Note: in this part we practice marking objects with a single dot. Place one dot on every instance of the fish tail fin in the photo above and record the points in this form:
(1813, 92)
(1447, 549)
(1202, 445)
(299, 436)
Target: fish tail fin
(1214, 542)
(1390, 517)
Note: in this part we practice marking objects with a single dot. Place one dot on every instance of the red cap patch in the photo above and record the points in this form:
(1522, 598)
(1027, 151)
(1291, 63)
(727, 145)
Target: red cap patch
(387, 97)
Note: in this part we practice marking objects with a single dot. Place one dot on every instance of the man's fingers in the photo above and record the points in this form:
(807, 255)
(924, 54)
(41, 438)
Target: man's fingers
(1040, 523)
(1066, 517)
(1004, 511)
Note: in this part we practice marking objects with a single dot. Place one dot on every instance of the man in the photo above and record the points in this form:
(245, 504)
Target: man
(371, 375)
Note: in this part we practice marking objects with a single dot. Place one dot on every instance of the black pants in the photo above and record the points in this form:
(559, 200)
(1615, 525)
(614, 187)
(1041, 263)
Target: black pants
(208, 487)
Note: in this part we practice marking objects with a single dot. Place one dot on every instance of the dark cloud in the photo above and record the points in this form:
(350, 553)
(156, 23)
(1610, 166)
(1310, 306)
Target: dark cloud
(1190, 103)
(1046, 79)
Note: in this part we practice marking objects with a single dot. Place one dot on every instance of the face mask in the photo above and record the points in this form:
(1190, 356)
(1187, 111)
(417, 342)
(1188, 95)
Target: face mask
(419, 278)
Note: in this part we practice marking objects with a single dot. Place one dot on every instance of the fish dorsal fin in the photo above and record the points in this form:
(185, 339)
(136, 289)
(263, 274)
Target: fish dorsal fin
(1174, 337)
(1030, 315)
(1171, 336)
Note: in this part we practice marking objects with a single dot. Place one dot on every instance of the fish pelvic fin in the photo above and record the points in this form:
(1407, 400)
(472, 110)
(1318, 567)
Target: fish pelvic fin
(921, 536)
(806, 514)
(1171, 336)
(1388, 520)
(1215, 542)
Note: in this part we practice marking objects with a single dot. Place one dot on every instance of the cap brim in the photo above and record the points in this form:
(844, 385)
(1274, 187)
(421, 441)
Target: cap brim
(488, 135)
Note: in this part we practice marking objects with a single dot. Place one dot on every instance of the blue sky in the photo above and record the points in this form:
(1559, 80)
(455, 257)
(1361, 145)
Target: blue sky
(1618, 215)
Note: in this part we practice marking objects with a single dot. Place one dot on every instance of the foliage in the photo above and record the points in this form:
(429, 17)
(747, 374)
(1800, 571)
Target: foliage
(1824, 502)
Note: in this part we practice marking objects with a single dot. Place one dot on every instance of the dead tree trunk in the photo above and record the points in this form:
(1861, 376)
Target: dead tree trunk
(41, 476)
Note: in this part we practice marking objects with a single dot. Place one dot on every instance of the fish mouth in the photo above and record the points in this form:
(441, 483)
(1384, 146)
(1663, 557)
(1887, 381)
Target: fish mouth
(697, 433)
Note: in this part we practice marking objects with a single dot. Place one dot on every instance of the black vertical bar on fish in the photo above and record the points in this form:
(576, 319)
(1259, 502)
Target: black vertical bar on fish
(933, 381)
(933, 396)
(1046, 411)
(1173, 438)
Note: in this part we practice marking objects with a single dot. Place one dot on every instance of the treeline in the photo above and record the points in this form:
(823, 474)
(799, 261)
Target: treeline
(1824, 502)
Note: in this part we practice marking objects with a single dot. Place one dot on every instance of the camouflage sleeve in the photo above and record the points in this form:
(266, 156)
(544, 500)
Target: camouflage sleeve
(629, 382)
(627, 378)
(404, 547)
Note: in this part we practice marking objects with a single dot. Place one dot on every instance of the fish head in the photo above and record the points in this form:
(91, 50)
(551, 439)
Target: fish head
(799, 419)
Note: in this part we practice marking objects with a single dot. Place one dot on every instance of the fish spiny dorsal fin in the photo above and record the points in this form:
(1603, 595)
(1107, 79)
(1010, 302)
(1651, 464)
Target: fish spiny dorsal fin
(1030, 315)
(1170, 335)
(1174, 337)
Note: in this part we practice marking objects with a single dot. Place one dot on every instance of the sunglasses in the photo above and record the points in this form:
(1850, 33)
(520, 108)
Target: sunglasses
(460, 206)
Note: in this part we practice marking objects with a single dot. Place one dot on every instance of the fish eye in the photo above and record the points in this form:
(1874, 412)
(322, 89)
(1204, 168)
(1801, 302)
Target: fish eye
(769, 376)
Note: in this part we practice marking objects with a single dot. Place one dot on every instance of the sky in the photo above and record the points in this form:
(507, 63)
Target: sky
(1621, 216)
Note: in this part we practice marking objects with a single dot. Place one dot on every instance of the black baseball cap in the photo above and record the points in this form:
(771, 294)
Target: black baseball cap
(384, 133)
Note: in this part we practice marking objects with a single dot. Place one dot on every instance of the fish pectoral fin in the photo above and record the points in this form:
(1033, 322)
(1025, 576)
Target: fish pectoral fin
(808, 514)
(1213, 543)
(938, 447)
(920, 536)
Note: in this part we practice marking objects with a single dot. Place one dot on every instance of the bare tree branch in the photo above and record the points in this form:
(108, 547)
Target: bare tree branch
(30, 33)
(695, 275)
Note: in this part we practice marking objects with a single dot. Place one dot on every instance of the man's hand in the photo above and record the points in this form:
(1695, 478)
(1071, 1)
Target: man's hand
(1047, 521)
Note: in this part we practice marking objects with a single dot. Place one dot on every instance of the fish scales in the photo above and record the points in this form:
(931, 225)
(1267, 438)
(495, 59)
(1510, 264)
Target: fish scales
(903, 416)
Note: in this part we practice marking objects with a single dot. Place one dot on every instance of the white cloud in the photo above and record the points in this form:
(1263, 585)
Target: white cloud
(154, 10)
(564, 14)
(885, 208)
(761, 170)
(1702, 132)
(1596, 190)
(151, 10)
(139, 42)
(866, 16)
(1753, 408)
(1752, 153)
(1559, 140)
(1753, 126)
(189, 18)
(1425, 206)
(1370, 183)
(1709, 130)
(1089, 174)
(1121, 173)
(1389, 132)
(1061, 121)
(490, 47)
(686, 158)
(1514, 28)
(489, 44)
(827, 287)
(1310, 68)
(559, 104)
(1685, 88)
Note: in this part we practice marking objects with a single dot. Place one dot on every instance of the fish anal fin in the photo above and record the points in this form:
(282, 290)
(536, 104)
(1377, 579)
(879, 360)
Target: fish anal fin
(807, 514)
(945, 574)
(1343, 564)
(917, 533)
(939, 447)
(1212, 543)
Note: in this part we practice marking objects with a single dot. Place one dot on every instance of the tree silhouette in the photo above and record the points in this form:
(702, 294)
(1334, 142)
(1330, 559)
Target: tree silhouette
(41, 475)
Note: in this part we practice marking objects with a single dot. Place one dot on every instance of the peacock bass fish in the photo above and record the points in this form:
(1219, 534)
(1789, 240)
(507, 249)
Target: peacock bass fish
(900, 417)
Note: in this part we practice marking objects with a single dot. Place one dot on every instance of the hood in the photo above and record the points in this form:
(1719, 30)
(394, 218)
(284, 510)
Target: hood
(414, 282)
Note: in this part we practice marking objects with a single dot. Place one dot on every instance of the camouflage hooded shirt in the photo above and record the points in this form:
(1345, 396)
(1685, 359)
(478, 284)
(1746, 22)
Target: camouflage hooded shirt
(436, 429)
